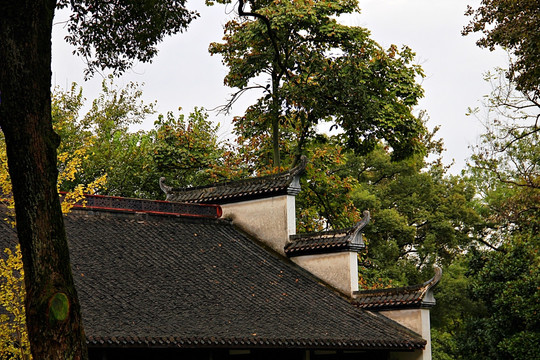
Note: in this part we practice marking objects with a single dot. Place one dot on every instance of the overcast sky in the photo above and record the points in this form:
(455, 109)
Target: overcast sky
(185, 75)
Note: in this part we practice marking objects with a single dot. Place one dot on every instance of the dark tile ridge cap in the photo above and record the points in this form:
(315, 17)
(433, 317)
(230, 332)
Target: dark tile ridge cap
(143, 217)
(286, 176)
(321, 234)
(252, 342)
(412, 296)
(348, 239)
(155, 207)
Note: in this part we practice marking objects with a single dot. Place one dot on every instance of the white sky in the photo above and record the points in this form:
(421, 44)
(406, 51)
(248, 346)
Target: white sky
(184, 74)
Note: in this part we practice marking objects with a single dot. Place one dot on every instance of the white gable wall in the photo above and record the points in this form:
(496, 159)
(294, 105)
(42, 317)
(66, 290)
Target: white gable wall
(418, 321)
(270, 220)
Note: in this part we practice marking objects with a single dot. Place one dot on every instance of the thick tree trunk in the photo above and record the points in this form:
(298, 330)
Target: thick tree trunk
(52, 308)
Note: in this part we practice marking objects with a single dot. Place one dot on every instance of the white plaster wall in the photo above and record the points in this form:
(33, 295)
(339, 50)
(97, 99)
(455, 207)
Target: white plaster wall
(338, 269)
(418, 321)
(270, 220)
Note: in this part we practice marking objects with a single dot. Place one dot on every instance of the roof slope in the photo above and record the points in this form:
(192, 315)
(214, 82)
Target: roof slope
(278, 184)
(149, 280)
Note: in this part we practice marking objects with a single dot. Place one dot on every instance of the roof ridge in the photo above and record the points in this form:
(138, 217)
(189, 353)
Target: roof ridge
(427, 285)
(297, 170)
(348, 239)
(156, 218)
(405, 296)
(359, 226)
(286, 182)
(315, 234)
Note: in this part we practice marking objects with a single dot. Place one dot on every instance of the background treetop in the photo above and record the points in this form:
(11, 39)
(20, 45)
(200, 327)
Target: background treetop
(514, 25)
(316, 69)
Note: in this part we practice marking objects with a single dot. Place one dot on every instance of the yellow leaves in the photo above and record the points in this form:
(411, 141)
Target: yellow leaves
(70, 165)
(5, 183)
(392, 51)
(13, 336)
(77, 194)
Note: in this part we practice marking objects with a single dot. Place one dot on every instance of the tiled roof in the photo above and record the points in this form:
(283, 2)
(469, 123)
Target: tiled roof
(167, 281)
(328, 241)
(279, 184)
(414, 296)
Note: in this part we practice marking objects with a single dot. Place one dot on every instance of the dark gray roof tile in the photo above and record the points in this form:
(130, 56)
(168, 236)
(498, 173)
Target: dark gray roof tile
(173, 281)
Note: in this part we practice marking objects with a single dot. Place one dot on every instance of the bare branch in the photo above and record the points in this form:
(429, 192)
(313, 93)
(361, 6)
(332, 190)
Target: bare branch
(226, 108)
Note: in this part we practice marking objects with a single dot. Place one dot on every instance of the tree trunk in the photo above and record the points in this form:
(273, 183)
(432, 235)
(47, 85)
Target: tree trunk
(275, 119)
(52, 308)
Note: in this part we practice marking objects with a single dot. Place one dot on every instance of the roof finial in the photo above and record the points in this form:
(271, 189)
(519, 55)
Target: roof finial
(364, 221)
(300, 167)
(359, 226)
(166, 189)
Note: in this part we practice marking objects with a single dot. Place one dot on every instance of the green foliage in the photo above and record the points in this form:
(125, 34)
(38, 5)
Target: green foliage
(498, 312)
(506, 283)
(113, 35)
(505, 166)
(420, 216)
(454, 306)
(513, 25)
(113, 151)
(186, 150)
(129, 163)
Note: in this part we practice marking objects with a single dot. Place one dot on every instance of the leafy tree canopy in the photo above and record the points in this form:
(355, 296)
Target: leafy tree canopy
(420, 215)
(501, 319)
(505, 165)
(506, 283)
(186, 149)
(321, 70)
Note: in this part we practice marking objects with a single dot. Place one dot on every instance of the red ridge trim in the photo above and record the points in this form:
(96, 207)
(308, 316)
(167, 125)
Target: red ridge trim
(213, 211)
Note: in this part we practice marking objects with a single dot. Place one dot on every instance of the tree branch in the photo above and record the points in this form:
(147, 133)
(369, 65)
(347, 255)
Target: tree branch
(226, 108)
(517, 138)
(271, 34)
(489, 245)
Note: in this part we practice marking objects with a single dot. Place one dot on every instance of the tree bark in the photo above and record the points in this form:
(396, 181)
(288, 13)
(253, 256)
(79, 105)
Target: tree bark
(275, 120)
(52, 307)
